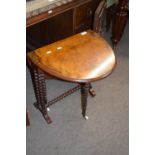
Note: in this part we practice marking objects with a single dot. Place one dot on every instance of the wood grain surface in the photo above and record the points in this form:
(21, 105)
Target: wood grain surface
(84, 57)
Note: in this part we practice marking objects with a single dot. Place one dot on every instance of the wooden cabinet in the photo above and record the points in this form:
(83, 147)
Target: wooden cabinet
(83, 15)
(64, 22)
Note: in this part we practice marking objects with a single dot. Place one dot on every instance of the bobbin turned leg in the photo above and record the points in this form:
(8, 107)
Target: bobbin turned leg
(92, 91)
(84, 95)
(40, 92)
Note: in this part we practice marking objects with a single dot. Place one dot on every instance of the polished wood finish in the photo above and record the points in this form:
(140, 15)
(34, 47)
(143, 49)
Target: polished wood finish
(84, 57)
(51, 30)
(64, 21)
(56, 11)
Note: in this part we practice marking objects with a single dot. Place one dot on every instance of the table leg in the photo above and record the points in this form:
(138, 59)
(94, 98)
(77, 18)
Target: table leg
(84, 94)
(40, 92)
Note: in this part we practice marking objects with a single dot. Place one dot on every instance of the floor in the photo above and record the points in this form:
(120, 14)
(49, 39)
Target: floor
(106, 131)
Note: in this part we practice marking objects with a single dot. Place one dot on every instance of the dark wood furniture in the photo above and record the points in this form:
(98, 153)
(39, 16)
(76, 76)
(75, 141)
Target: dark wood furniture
(117, 16)
(64, 21)
(81, 58)
(60, 22)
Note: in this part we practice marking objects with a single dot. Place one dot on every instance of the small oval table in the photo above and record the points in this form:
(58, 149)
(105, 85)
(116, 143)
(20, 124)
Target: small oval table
(83, 58)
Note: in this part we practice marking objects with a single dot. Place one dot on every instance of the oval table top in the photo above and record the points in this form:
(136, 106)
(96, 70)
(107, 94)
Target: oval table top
(84, 57)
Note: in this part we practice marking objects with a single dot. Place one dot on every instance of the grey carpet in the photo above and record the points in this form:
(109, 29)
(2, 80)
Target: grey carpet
(106, 131)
